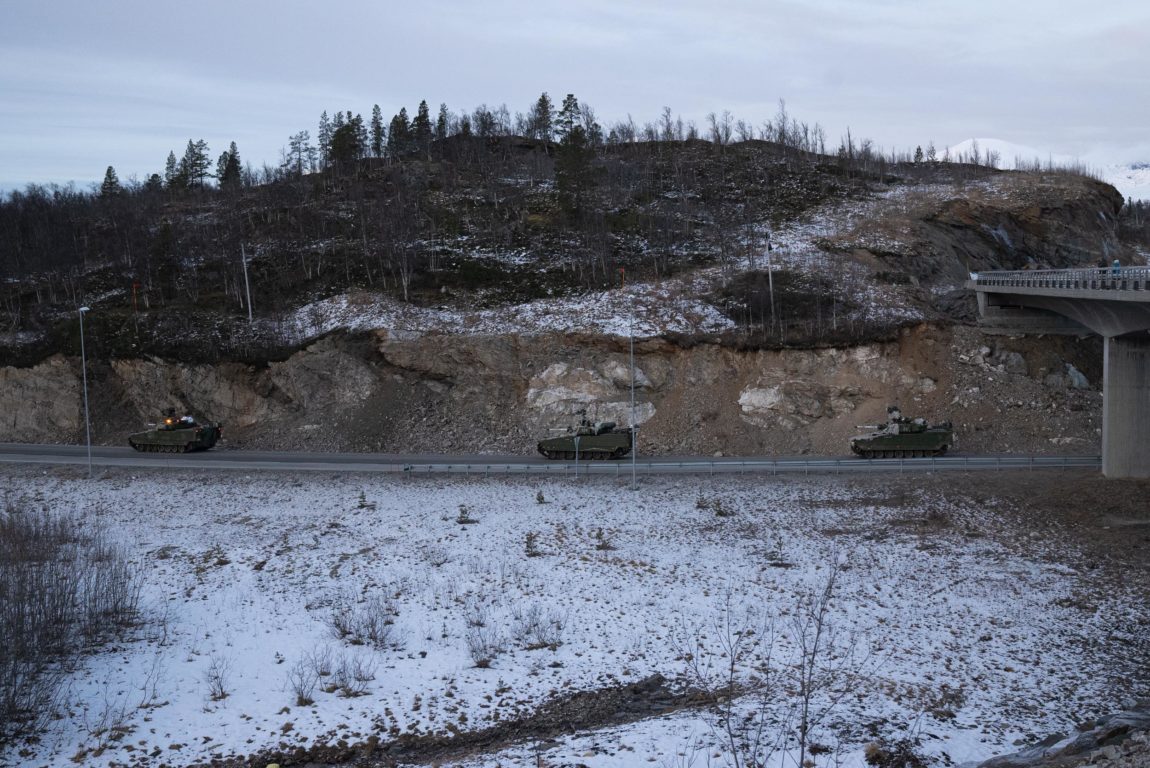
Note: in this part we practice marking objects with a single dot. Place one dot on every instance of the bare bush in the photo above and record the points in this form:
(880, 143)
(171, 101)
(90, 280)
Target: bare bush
(785, 706)
(320, 659)
(350, 675)
(475, 613)
(370, 622)
(63, 588)
(828, 666)
(534, 628)
(731, 660)
(484, 644)
(301, 679)
(903, 753)
(218, 677)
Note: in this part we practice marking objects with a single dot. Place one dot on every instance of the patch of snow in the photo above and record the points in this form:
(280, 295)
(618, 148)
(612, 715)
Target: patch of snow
(1131, 179)
(248, 573)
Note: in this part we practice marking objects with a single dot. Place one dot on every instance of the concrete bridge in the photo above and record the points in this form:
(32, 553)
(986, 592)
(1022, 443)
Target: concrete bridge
(1114, 303)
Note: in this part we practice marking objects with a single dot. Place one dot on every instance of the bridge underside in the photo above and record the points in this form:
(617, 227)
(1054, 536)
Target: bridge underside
(1060, 314)
(1124, 324)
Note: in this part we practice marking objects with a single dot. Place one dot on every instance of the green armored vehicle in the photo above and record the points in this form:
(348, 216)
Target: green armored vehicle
(589, 440)
(902, 438)
(177, 435)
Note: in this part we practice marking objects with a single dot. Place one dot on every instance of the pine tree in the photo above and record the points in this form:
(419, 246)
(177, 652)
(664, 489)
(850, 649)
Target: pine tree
(324, 138)
(399, 134)
(195, 163)
(111, 186)
(228, 169)
(568, 117)
(421, 129)
(918, 155)
(300, 156)
(541, 118)
(221, 166)
(441, 123)
(362, 135)
(376, 132)
(931, 154)
(171, 170)
(155, 183)
(346, 148)
(573, 159)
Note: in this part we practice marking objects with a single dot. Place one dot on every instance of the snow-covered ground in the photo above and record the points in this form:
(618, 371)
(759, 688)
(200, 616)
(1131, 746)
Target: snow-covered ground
(1132, 179)
(950, 625)
(675, 305)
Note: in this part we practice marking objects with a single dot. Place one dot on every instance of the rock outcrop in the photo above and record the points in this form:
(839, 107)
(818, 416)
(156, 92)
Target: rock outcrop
(42, 403)
(499, 394)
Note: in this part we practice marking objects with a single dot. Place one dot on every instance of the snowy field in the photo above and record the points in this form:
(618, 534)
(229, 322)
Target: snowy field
(466, 603)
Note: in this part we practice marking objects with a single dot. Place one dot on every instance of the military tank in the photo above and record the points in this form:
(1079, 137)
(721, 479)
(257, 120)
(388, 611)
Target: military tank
(588, 440)
(902, 438)
(177, 435)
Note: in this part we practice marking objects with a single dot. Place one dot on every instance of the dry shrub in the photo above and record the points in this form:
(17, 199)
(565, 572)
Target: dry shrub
(64, 588)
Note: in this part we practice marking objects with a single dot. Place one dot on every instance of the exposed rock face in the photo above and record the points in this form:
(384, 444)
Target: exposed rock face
(325, 376)
(794, 389)
(1049, 221)
(501, 394)
(561, 390)
(936, 237)
(42, 403)
(232, 393)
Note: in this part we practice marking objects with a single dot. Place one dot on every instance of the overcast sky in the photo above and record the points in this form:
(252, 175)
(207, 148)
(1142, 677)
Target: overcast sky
(87, 84)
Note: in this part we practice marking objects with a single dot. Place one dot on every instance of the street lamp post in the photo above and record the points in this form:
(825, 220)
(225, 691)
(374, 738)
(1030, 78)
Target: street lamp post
(84, 371)
(247, 286)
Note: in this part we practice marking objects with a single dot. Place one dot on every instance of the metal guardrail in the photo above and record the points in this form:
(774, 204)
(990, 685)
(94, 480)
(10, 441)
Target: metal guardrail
(584, 468)
(805, 466)
(1087, 279)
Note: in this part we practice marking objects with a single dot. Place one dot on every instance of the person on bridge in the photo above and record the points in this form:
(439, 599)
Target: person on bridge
(1116, 268)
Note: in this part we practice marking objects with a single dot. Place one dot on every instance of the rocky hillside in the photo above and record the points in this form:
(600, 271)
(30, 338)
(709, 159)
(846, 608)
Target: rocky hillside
(776, 302)
(375, 392)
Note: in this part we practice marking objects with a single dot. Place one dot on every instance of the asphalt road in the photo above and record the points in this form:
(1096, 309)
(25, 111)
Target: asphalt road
(103, 456)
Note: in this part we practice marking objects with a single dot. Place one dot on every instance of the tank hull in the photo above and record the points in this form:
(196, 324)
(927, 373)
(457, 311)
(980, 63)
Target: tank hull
(610, 445)
(201, 437)
(934, 441)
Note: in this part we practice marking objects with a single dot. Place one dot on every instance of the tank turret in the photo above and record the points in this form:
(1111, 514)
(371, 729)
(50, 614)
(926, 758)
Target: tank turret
(901, 437)
(588, 440)
(177, 435)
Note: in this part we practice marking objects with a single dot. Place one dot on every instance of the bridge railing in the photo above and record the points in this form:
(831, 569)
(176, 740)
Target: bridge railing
(1081, 279)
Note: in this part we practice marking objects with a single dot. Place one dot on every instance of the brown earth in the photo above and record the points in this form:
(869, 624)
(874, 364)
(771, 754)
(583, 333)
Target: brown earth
(500, 394)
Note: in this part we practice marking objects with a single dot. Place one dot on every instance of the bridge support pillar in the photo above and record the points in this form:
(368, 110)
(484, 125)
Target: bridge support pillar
(1126, 407)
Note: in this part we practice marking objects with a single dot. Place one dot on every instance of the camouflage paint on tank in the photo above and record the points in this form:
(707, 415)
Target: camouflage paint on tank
(903, 438)
(588, 440)
(174, 435)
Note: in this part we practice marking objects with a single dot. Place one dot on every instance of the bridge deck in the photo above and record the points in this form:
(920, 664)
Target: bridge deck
(1124, 284)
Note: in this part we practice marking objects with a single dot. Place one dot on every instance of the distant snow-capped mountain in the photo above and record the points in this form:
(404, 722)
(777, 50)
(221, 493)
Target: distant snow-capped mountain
(1009, 154)
(1131, 179)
